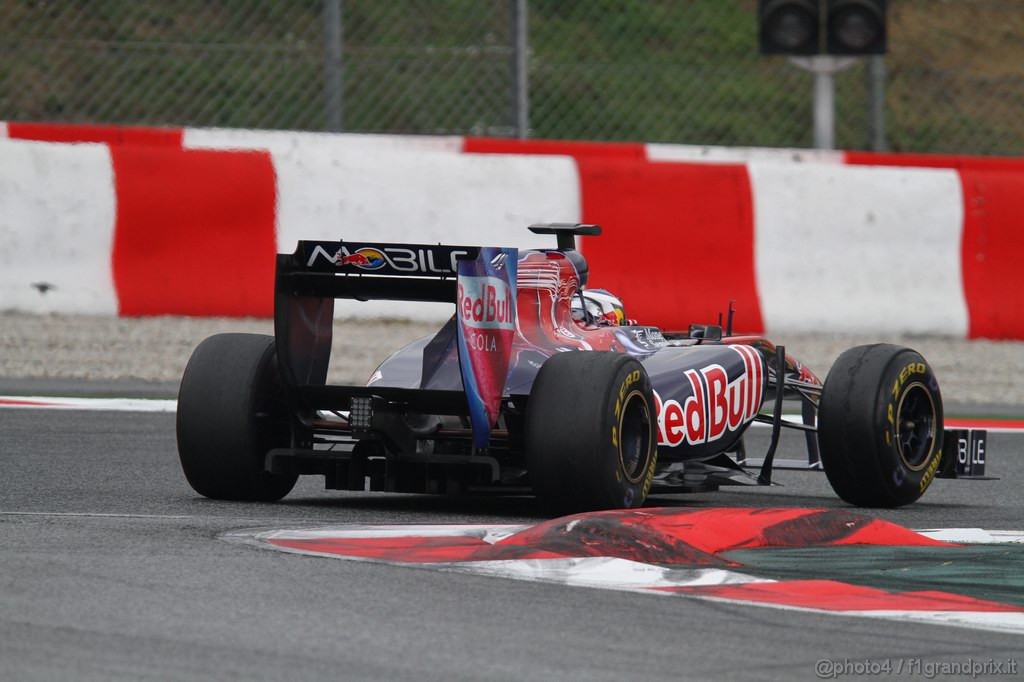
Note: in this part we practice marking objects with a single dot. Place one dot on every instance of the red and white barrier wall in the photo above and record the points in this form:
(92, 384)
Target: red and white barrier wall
(138, 221)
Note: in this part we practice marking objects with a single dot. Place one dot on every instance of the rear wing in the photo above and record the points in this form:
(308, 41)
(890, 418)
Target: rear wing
(479, 281)
(307, 282)
(365, 271)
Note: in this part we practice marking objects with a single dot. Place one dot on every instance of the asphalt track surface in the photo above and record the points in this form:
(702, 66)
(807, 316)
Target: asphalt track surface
(112, 568)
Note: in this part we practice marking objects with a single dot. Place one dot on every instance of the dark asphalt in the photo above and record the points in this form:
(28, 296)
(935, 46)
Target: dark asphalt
(111, 568)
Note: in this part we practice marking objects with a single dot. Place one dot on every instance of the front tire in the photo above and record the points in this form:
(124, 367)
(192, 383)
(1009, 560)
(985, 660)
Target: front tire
(231, 411)
(591, 439)
(880, 426)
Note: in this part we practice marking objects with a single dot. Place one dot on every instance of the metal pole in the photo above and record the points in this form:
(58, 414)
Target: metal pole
(520, 68)
(877, 75)
(824, 68)
(332, 65)
(824, 109)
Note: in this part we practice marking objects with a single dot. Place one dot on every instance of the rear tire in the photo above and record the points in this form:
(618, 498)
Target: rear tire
(591, 439)
(880, 426)
(231, 411)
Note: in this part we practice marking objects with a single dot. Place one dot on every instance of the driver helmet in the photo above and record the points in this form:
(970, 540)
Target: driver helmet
(599, 306)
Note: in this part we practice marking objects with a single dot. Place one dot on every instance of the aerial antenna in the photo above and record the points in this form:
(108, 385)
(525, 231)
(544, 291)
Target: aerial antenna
(732, 312)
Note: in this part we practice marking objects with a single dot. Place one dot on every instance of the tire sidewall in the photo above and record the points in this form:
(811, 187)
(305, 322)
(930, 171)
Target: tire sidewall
(907, 371)
(572, 432)
(229, 380)
(630, 390)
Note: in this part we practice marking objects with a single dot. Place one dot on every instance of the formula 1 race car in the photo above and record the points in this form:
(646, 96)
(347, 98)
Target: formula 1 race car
(539, 385)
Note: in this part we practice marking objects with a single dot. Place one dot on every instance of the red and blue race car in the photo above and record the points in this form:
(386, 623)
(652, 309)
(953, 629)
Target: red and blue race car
(538, 385)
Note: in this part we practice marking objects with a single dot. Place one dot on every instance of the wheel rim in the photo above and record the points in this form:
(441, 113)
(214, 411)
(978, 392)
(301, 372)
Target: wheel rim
(634, 437)
(915, 426)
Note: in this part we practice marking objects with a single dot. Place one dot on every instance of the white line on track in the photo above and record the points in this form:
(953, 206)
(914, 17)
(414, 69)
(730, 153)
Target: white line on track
(263, 523)
(104, 404)
(99, 515)
(974, 536)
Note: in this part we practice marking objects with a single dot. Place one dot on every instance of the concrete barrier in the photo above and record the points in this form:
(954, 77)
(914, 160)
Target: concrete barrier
(57, 214)
(172, 221)
(855, 249)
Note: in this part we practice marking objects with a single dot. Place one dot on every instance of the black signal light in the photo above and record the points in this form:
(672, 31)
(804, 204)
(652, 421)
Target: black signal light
(789, 27)
(856, 27)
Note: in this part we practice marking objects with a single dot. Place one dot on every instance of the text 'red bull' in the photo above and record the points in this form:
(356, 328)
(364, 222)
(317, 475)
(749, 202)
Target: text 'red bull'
(716, 406)
(485, 303)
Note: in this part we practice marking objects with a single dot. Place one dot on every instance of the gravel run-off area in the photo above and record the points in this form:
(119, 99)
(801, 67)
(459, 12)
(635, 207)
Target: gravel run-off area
(156, 349)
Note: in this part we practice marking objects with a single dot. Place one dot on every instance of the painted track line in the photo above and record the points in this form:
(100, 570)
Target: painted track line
(103, 404)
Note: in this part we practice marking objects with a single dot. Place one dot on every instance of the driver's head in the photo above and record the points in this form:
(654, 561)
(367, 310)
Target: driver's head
(604, 307)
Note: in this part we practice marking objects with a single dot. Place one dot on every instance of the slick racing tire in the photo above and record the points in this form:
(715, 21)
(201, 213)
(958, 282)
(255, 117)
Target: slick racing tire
(231, 411)
(591, 439)
(880, 426)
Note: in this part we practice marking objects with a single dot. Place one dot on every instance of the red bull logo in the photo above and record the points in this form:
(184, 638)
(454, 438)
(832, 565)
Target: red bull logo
(716, 406)
(354, 259)
(365, 258)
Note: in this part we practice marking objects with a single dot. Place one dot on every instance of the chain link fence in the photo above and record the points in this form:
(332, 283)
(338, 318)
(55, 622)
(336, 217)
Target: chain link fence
(685, 71)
